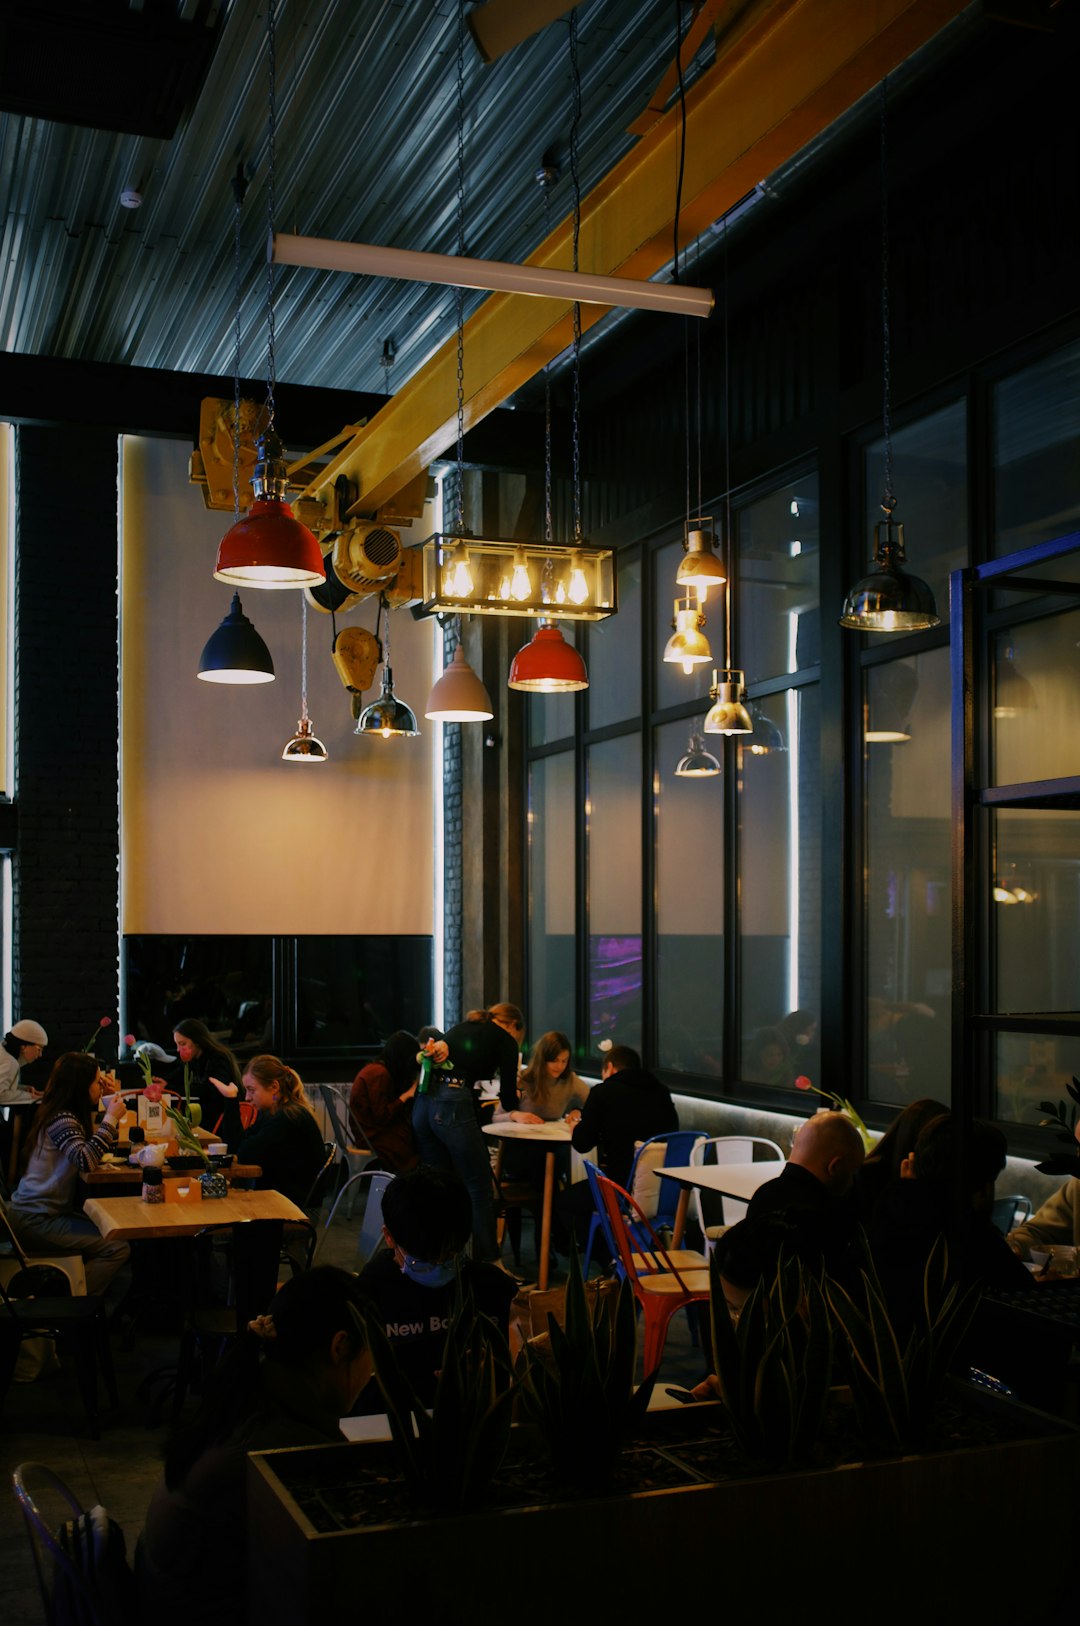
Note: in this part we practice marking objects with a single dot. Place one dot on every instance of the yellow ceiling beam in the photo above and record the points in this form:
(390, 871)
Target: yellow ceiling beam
(785, 80)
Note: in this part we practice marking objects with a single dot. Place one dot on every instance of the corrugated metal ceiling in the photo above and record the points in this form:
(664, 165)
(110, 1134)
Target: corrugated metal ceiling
(366, 151)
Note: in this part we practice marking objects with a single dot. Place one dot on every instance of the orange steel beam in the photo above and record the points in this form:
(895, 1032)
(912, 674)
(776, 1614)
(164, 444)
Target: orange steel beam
(780, 84)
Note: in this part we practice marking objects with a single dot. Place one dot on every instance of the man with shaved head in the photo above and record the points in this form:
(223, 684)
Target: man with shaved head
(812, 1192)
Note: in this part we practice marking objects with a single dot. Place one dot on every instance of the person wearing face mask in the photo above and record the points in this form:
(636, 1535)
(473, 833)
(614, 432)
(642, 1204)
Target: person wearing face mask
(412, 1285)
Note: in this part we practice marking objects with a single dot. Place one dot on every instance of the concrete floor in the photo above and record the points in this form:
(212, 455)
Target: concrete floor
(44, 1422)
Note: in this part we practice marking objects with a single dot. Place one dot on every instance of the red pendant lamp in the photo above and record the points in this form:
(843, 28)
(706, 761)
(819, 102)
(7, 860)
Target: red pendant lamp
(269, 547)
(548, 664)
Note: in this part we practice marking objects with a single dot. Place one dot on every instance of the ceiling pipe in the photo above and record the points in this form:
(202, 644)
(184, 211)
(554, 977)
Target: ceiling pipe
(493, 276)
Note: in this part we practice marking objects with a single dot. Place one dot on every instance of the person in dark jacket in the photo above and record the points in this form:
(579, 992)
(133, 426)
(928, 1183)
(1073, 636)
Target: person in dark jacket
(627, 1106)
(446, 1121)
(289, 1380)
(285, 1139)
(413, 1283)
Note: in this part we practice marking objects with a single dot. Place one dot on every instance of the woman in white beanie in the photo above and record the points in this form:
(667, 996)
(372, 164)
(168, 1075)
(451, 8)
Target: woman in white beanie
(23, 1044)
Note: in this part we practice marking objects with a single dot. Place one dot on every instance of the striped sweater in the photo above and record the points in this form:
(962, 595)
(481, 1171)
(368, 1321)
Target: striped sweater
(63, 1152)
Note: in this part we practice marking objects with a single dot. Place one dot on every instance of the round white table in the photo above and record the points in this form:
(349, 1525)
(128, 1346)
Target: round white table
(549, 1136)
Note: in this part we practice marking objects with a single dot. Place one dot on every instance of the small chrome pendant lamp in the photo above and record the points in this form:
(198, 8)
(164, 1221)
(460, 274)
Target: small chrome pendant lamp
(305, 746)
(698, 763)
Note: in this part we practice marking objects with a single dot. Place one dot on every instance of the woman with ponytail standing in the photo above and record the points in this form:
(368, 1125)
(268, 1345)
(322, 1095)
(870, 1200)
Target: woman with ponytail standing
(446, 1116)
(285, 1139)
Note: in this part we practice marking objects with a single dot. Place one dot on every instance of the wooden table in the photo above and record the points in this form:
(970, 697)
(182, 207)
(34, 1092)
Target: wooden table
(738, 1180)
(129, 1219)
(549, 1136)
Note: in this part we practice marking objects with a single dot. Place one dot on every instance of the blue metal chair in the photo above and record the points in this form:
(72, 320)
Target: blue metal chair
(641, 1234)
(680, 1144)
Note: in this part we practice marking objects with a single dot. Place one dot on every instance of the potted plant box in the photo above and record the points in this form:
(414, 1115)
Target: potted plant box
(931, 1534)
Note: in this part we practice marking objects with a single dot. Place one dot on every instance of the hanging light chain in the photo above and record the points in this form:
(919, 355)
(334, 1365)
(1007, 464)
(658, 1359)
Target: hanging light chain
(303, 656)
(549, 529)
(728, 540)
(271, 175)
(459, 293)
(575, 71)
(239, 185)
(888, 502)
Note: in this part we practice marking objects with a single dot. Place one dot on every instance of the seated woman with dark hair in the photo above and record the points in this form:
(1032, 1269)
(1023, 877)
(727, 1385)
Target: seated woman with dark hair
(381, 1102)
(45, 1208)
(298, 1371)
(285, 1139)
(884, 1163)
(210, 1078)
(928, 1202)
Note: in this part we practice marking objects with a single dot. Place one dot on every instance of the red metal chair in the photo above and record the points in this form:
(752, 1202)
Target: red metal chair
(659, 1287)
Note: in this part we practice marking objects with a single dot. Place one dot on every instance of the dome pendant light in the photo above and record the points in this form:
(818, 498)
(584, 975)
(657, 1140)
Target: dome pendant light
(548, 664)
(700, 567)
(728, 714)
(388, 716)
(889, 598)
(235, 653)
(688, 645)
(768, 737)
(459, 696)
(698, 763)
(270, 548)
(304, 746)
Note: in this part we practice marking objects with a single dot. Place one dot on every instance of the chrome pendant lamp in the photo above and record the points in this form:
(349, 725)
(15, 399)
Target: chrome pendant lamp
(305, 746)
(269, 547)
(698, 763)
(388, 717)
(889, 598)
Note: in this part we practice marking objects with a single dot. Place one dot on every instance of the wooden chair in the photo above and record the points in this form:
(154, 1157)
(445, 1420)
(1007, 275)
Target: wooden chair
(660, 1289)
(52, 1313)
(512, 1198)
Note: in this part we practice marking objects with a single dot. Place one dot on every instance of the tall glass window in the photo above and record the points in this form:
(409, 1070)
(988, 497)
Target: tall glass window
(779, 787)
(1035, 893)
(780, 890)
(1036, 700)
(614, 654)
(689, 814)
(613, 845)
(908, 877)
(1036, 428)
(552, 893)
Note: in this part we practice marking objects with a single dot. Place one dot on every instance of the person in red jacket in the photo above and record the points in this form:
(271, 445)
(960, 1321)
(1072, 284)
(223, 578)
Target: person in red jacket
(381, 1102)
